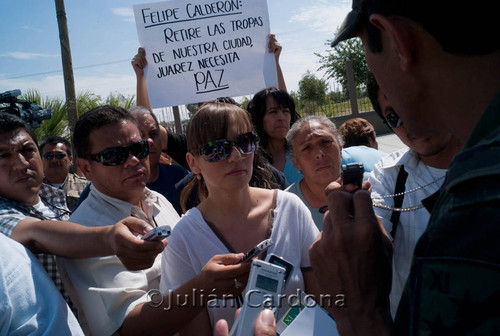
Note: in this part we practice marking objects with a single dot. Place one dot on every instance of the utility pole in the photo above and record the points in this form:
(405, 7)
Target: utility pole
(352, 88)
(177, 119)
(69, 81)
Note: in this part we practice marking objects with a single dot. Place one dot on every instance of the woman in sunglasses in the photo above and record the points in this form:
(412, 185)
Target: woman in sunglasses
(232, 216)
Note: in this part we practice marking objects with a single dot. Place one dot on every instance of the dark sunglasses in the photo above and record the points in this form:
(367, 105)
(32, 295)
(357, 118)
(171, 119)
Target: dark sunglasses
(50, 156)
(221, 149)
(392, 119)
(114, 156)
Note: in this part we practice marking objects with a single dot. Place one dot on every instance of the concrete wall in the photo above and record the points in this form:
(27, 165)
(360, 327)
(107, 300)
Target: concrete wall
(372, 118)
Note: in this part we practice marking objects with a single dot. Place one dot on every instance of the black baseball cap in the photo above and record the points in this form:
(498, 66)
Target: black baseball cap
(348, 28)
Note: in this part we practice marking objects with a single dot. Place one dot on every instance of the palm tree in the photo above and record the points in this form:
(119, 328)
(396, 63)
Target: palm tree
(117, 99)
(58, 123)
(85, 101)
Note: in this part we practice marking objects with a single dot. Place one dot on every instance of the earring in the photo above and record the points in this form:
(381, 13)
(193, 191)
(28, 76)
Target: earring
(198, 177)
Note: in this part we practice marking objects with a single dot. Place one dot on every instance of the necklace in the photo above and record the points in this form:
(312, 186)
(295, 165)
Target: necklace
(407, 209)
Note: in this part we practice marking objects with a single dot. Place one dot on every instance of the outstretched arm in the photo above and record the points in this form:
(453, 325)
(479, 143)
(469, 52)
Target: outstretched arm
(138, 63)
(73, 240)
(275, 48)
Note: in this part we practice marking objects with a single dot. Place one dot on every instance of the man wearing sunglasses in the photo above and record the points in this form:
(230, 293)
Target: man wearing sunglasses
(112, 155)
(35, 215)
(414, 174)
(57, 159)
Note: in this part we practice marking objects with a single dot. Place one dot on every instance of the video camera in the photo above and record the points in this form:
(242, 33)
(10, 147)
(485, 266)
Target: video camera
(29, 112)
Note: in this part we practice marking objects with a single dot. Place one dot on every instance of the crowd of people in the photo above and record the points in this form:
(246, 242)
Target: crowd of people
(411, 251)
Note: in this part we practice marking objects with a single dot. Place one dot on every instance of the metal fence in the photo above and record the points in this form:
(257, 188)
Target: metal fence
(343, 106)
(341, 102)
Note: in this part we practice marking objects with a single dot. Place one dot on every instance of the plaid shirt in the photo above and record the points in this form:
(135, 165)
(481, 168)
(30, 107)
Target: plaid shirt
(73, 186)
(12, 212)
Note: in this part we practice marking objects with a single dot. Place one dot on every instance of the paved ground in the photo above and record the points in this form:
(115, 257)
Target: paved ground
(389, 143)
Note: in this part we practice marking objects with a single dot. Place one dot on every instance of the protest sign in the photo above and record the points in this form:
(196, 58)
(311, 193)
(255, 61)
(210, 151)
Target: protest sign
(203, 49)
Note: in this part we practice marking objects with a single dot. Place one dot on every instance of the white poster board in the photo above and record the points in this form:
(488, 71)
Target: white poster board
(203, 49)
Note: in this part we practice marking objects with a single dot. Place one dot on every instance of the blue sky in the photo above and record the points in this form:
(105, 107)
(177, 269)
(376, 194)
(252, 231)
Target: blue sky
(103, 40)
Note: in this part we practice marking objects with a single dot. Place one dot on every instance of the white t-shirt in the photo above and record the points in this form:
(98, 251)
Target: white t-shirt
(103, 290)
(193, 243)
(44, 210)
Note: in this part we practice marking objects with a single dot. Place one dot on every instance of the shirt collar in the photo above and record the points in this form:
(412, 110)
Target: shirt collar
(488, 122)
(56, 185)
(150, 203)
(407, 157)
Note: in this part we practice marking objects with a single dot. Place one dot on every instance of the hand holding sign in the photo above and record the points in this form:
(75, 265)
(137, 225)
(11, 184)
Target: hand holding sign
(200, 50)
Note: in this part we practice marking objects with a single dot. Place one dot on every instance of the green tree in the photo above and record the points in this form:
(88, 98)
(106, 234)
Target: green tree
(191, 109)
(244, 103)
(117, 99)
(85, 101)
(58, 123)
(334, 62)
(298, 103)
(312, 89)
(295, 97)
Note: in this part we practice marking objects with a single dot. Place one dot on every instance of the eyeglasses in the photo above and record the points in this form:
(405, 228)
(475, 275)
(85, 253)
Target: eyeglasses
(50, 156)
(221, 149)
(114, 156)
(392, 119)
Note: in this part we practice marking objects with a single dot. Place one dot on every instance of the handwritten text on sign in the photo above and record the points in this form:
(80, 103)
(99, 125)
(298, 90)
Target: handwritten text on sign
(200, 50)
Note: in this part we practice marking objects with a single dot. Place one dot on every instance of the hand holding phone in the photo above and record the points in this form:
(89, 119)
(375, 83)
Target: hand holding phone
(265, 285)
(256, 251)
(158, 233)
(352, 173)
(277, 260)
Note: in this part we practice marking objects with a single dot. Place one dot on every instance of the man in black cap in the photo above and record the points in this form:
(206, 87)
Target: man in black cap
(438, 66)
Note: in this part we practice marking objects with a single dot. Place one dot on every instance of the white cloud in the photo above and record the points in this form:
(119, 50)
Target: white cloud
(125, 12)
(38, 30)
(322, 17)
(295, 67)
(104, 84)
(25, 55)
(53, 86)
(305, 33)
